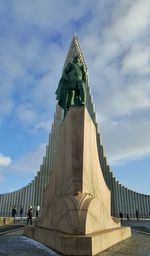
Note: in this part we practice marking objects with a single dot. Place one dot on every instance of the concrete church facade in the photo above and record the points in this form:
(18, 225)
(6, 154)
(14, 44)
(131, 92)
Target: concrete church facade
(122, 199)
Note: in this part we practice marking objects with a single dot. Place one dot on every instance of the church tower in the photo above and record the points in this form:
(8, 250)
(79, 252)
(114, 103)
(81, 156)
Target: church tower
(76, 212)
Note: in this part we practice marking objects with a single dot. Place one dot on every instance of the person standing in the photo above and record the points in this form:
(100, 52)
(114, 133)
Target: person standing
(21, 212)
(121, 216)
(137, 214)
(13, 213)
(29, 214)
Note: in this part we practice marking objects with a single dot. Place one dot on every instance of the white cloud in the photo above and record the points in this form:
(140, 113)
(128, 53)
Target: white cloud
(4, 160)
(115, 40)
(137, 60)
(131, 21)
(26, 114)
(29, 162)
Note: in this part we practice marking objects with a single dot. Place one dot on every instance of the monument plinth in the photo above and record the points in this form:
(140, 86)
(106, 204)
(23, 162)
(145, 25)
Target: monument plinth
(76, 216)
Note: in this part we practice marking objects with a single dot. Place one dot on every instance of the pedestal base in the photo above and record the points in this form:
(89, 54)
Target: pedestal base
(91, 244)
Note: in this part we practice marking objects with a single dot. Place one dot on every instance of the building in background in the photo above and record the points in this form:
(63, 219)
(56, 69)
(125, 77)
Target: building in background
(123, 200)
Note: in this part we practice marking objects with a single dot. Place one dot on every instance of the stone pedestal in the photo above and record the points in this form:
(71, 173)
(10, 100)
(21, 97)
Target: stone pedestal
(76, 217)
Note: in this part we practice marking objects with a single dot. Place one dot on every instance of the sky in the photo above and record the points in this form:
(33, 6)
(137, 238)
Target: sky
(35, 37)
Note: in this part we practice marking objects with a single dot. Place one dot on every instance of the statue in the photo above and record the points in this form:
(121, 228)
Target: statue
(71, 87)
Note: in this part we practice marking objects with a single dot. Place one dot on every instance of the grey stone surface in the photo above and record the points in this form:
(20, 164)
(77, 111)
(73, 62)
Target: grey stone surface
(137, 245)
(23, 246)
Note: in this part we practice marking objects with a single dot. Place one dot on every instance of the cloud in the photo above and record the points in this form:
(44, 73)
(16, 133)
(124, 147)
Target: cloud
(126, 139)
(28, 163)
(136, 62)
(4, 160)
(115, 40)
(131, 21)
(26, 113)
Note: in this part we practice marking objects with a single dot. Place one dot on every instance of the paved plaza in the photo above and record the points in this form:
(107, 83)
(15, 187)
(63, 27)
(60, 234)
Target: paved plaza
(13, 244)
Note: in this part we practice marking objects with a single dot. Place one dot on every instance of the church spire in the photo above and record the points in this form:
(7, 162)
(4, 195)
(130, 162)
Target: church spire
(75, 50)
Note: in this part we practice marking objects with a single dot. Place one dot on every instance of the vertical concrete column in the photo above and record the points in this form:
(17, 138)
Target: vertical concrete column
(119, 198)
(142, 196)
(36, 189)
(123, 203)
(138, 204)
(12, 202)
(25, 199)
(2, 203)
(17, 202)
(31, 194)
(18, 205)
(49, 156)
(102, 160)
(109, 180)
(43, 172)
(20, 198)
(114, 184)
(49, 151)
(144, 207)
(124, 200)
(35, 186)
(8, 204)
(136, 201)
(105, 170)
(147, 206)
(34, 192)
(132, 204)
(14, 199)
(40, 187)
(42, 183)
(52, 148)
(127, 200)
(5, 199)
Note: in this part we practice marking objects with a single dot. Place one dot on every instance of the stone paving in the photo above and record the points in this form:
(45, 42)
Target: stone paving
(137, 245)
(23, 246)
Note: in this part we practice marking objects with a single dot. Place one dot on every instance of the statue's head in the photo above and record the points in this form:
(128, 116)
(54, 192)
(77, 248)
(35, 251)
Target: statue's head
(76, 59)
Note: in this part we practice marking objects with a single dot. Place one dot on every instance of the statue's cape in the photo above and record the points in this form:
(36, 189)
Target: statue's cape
(62, 93)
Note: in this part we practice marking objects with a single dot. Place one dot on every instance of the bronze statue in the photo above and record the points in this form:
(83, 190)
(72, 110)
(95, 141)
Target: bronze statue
(71, 87)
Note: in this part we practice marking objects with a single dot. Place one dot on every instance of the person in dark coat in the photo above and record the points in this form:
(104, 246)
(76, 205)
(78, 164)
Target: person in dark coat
(137, 214)
(13, 213)
(29, 218)
(21, 212)
(121, 216)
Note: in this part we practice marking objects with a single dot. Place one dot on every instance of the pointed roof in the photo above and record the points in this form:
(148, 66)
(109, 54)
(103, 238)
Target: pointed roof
(75, 50)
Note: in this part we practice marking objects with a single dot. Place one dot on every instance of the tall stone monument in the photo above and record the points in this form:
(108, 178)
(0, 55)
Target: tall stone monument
(76, 216)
